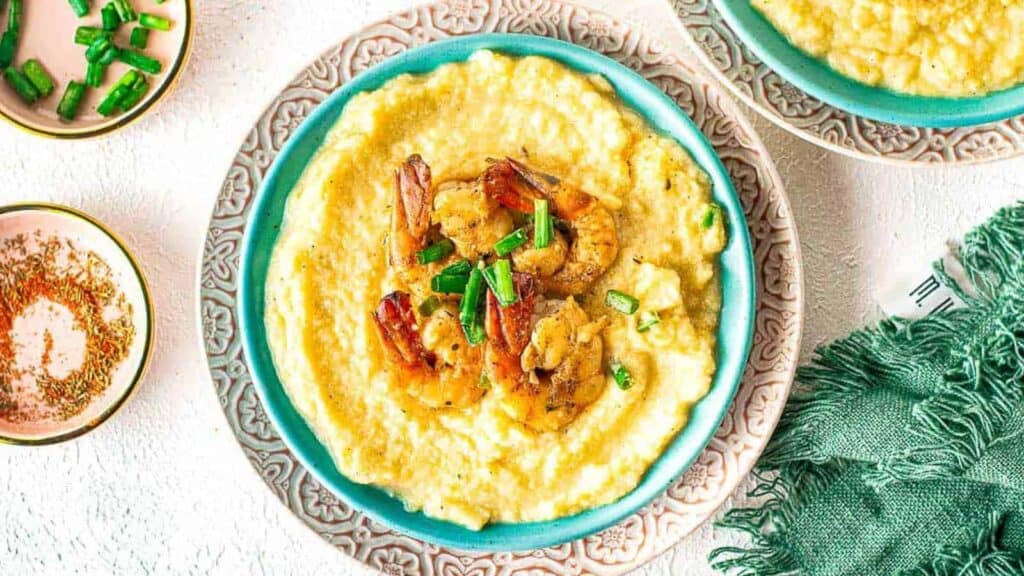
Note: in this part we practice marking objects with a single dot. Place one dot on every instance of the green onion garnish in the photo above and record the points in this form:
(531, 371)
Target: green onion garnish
(543, 227)
(38, 77)
(429, 306)
(97, 48)
(647, 320)
(112, 100)
(110, 18)
(484, 382)
(621, 301)
(86, 35)
(139, 38)
(68, 107)
(124, 10)
(499, 279)
(139, 89)
(81, 7)
(140, 61)
(154, 22)
(21, 84)
(14, 17)
(621, 375)
(94, 73)
(709, 216)
(469, 316)
(449, 283)
(108, 57)
(506, 245)
(8, 44)
(460, 268)
(435, 252)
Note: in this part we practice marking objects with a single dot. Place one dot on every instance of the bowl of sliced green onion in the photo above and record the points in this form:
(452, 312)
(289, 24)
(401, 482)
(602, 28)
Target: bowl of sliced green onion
(84, 68)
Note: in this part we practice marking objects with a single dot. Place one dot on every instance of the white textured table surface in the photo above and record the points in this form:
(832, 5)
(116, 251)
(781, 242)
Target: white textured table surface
(163, 488)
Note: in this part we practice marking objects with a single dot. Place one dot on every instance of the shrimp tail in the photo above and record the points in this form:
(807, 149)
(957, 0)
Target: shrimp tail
(508, 329)
(503, 182)
(398, 332)
(413, 201)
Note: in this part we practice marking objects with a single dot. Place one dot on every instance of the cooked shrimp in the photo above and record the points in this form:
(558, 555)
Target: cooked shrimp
(439, 368)
(542, 262)
(549, 374)
(410, 211)
(470, 218)
(595, 242)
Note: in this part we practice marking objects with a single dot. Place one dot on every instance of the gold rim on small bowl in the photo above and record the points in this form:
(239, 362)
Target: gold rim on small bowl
(122, 398)
(150, 102)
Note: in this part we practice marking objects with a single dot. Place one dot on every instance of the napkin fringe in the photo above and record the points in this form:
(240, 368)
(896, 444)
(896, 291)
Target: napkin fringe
(982, 557)
(769, 553)
(982, 395)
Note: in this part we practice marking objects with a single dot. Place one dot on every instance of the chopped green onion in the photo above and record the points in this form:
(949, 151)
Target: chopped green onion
(709, 216)
(97, 48)
(38, 76)
(108, 57)
(469, 316)
(94, 73)
(543, 228)
(138, 91)
(621, 374)
(110, 18)
(128, 79)
(124, 10)
(112, 100)
(81, 7)
(506, 245)
(484, 382)
(499, 278)
(429, 306)
(86, 35)
(449, 283)
(647, 320)
(21, 84)
(154, 22)
(436, 252)
(460, 268)
(68, 107)
(14, 17)
(8, 44)
(621, 301)
(139, 38)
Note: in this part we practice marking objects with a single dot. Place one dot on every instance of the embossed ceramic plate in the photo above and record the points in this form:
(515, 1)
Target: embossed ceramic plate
(738, 441)
(811, 119)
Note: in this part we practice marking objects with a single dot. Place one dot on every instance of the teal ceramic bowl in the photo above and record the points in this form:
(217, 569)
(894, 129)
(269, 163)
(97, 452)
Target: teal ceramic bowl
(734, 334)
(819, 80)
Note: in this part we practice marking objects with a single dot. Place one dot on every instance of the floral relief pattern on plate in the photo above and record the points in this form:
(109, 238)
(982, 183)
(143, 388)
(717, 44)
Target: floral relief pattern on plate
(758, 403)
(791, 108)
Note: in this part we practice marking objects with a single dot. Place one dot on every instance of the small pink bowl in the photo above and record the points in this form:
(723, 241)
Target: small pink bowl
(47, 35)
(87, 234)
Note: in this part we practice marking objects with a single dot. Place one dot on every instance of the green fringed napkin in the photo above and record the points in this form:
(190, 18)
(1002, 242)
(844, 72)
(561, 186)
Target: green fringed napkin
(903, 452)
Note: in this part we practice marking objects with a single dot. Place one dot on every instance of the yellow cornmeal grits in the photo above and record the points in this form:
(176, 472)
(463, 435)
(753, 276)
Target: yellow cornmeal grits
(329, 268)
(923, 47)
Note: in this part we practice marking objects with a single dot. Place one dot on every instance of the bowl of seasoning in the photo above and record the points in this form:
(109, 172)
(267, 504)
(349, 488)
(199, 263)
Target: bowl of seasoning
(84, 68)
(76, 326)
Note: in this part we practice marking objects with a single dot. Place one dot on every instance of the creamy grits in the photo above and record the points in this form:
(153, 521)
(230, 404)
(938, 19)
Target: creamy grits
(950, 48)
(477, 464)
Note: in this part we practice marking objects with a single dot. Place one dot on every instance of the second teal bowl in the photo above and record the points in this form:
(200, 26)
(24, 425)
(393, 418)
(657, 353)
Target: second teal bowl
(818, 79)
(735, 323)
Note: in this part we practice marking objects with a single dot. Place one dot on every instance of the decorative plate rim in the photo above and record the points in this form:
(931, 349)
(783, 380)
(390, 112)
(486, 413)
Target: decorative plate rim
(720, 77)
(768, 187)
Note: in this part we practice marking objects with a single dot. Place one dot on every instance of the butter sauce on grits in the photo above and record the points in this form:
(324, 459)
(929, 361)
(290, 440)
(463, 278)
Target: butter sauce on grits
(563, 399)
(925, 47)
